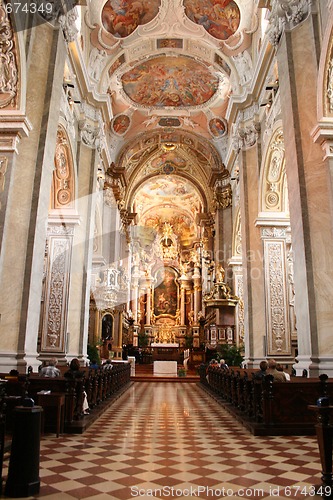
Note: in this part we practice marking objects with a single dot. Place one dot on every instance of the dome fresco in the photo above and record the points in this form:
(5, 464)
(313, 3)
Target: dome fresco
(220, 18)
(170, 81)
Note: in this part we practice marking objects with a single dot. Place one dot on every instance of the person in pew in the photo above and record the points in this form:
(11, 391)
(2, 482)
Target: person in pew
(259, 375)
(94, 365)
(223, 365)
(51, 370)
(280, 369)
(107, 365)
(75, 372)
(278, 376)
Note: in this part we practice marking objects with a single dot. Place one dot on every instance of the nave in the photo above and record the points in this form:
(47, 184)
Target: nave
(165, 440)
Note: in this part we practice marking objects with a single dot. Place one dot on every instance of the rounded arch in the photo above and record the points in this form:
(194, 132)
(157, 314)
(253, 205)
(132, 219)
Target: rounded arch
(273, 194)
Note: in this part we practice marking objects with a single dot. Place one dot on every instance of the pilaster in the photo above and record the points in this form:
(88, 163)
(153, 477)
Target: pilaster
(310, 196)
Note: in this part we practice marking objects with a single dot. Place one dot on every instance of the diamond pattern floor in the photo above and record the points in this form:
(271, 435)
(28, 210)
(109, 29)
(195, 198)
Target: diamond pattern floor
(165, 440)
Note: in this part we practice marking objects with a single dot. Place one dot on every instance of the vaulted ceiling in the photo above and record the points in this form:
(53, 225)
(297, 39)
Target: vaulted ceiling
(169, 67)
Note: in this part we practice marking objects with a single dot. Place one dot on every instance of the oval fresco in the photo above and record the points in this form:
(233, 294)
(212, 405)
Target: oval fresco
(120, 124)
(217, 127)
(219, 17)
(122, 17)
(170, 81)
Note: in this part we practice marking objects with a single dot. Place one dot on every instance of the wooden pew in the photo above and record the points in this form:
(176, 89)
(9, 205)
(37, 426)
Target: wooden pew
(266, 407)
(99, 385)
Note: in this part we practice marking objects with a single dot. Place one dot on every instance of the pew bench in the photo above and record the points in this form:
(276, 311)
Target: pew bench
(266, 407)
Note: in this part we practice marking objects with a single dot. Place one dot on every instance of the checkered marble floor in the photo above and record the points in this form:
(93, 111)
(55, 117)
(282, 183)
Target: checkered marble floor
(166, 440)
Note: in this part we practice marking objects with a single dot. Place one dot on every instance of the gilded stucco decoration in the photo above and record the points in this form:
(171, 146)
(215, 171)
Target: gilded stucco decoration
(274, 174)
(63, 176)
(8, 62)
(237, 237)
(329, 90)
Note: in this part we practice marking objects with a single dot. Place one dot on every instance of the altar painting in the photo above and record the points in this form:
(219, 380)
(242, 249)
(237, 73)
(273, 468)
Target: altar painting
(166, 293)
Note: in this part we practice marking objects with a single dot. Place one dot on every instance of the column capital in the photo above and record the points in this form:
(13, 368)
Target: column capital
(90, 125)
(245, 136)
(68, 26)
(286, 14)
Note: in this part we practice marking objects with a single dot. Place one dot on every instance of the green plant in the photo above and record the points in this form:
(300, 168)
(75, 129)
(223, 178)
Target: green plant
(181, 372)
(231, 354)
(93, 353)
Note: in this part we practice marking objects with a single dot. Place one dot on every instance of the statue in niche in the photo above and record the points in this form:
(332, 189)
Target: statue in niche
(96, 62)
(220, 274)
(243, 63)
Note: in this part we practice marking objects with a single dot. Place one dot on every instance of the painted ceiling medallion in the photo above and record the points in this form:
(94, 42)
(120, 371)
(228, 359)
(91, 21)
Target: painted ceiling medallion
(219, 17)
(122, 17)
(170, 81)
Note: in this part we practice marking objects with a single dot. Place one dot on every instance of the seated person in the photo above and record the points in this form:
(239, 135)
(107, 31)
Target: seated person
(107, 365)
(93, 364)
(259, 375)
(278, 376)
(280, 369)
(224, 365)
(75, 372)
(50, 370)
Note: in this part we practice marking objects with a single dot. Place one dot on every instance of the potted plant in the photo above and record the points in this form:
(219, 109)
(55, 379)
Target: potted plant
(181, 372)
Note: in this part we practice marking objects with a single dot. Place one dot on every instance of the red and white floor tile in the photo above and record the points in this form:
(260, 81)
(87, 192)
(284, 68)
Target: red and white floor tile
(169, 440)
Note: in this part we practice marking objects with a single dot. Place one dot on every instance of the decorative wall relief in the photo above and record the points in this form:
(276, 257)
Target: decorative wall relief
(8, 62)
(54, 328)
(274, 172)
(63, 176)
(3, 170)
(329, 91)
(239, 290)
(278, 332)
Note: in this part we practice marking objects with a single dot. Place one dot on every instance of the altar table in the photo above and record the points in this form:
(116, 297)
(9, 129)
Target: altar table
(165, 368)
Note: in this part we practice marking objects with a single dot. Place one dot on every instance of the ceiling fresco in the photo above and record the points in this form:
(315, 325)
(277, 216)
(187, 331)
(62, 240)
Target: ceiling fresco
(171, 159)
(170, 81)
(122, 17)
(167, 191)
(220, 18)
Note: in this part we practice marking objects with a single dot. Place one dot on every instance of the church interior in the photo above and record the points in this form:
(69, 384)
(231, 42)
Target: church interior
(166, 185)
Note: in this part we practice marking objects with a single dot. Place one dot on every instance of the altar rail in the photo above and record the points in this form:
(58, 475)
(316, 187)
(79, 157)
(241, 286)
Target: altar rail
(266, 407)
(100, 385)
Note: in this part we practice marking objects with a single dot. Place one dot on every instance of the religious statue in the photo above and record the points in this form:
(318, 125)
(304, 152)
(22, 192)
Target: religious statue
(220, 274)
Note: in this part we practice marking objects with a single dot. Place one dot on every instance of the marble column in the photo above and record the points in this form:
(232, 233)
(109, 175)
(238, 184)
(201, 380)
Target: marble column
(310, 196)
